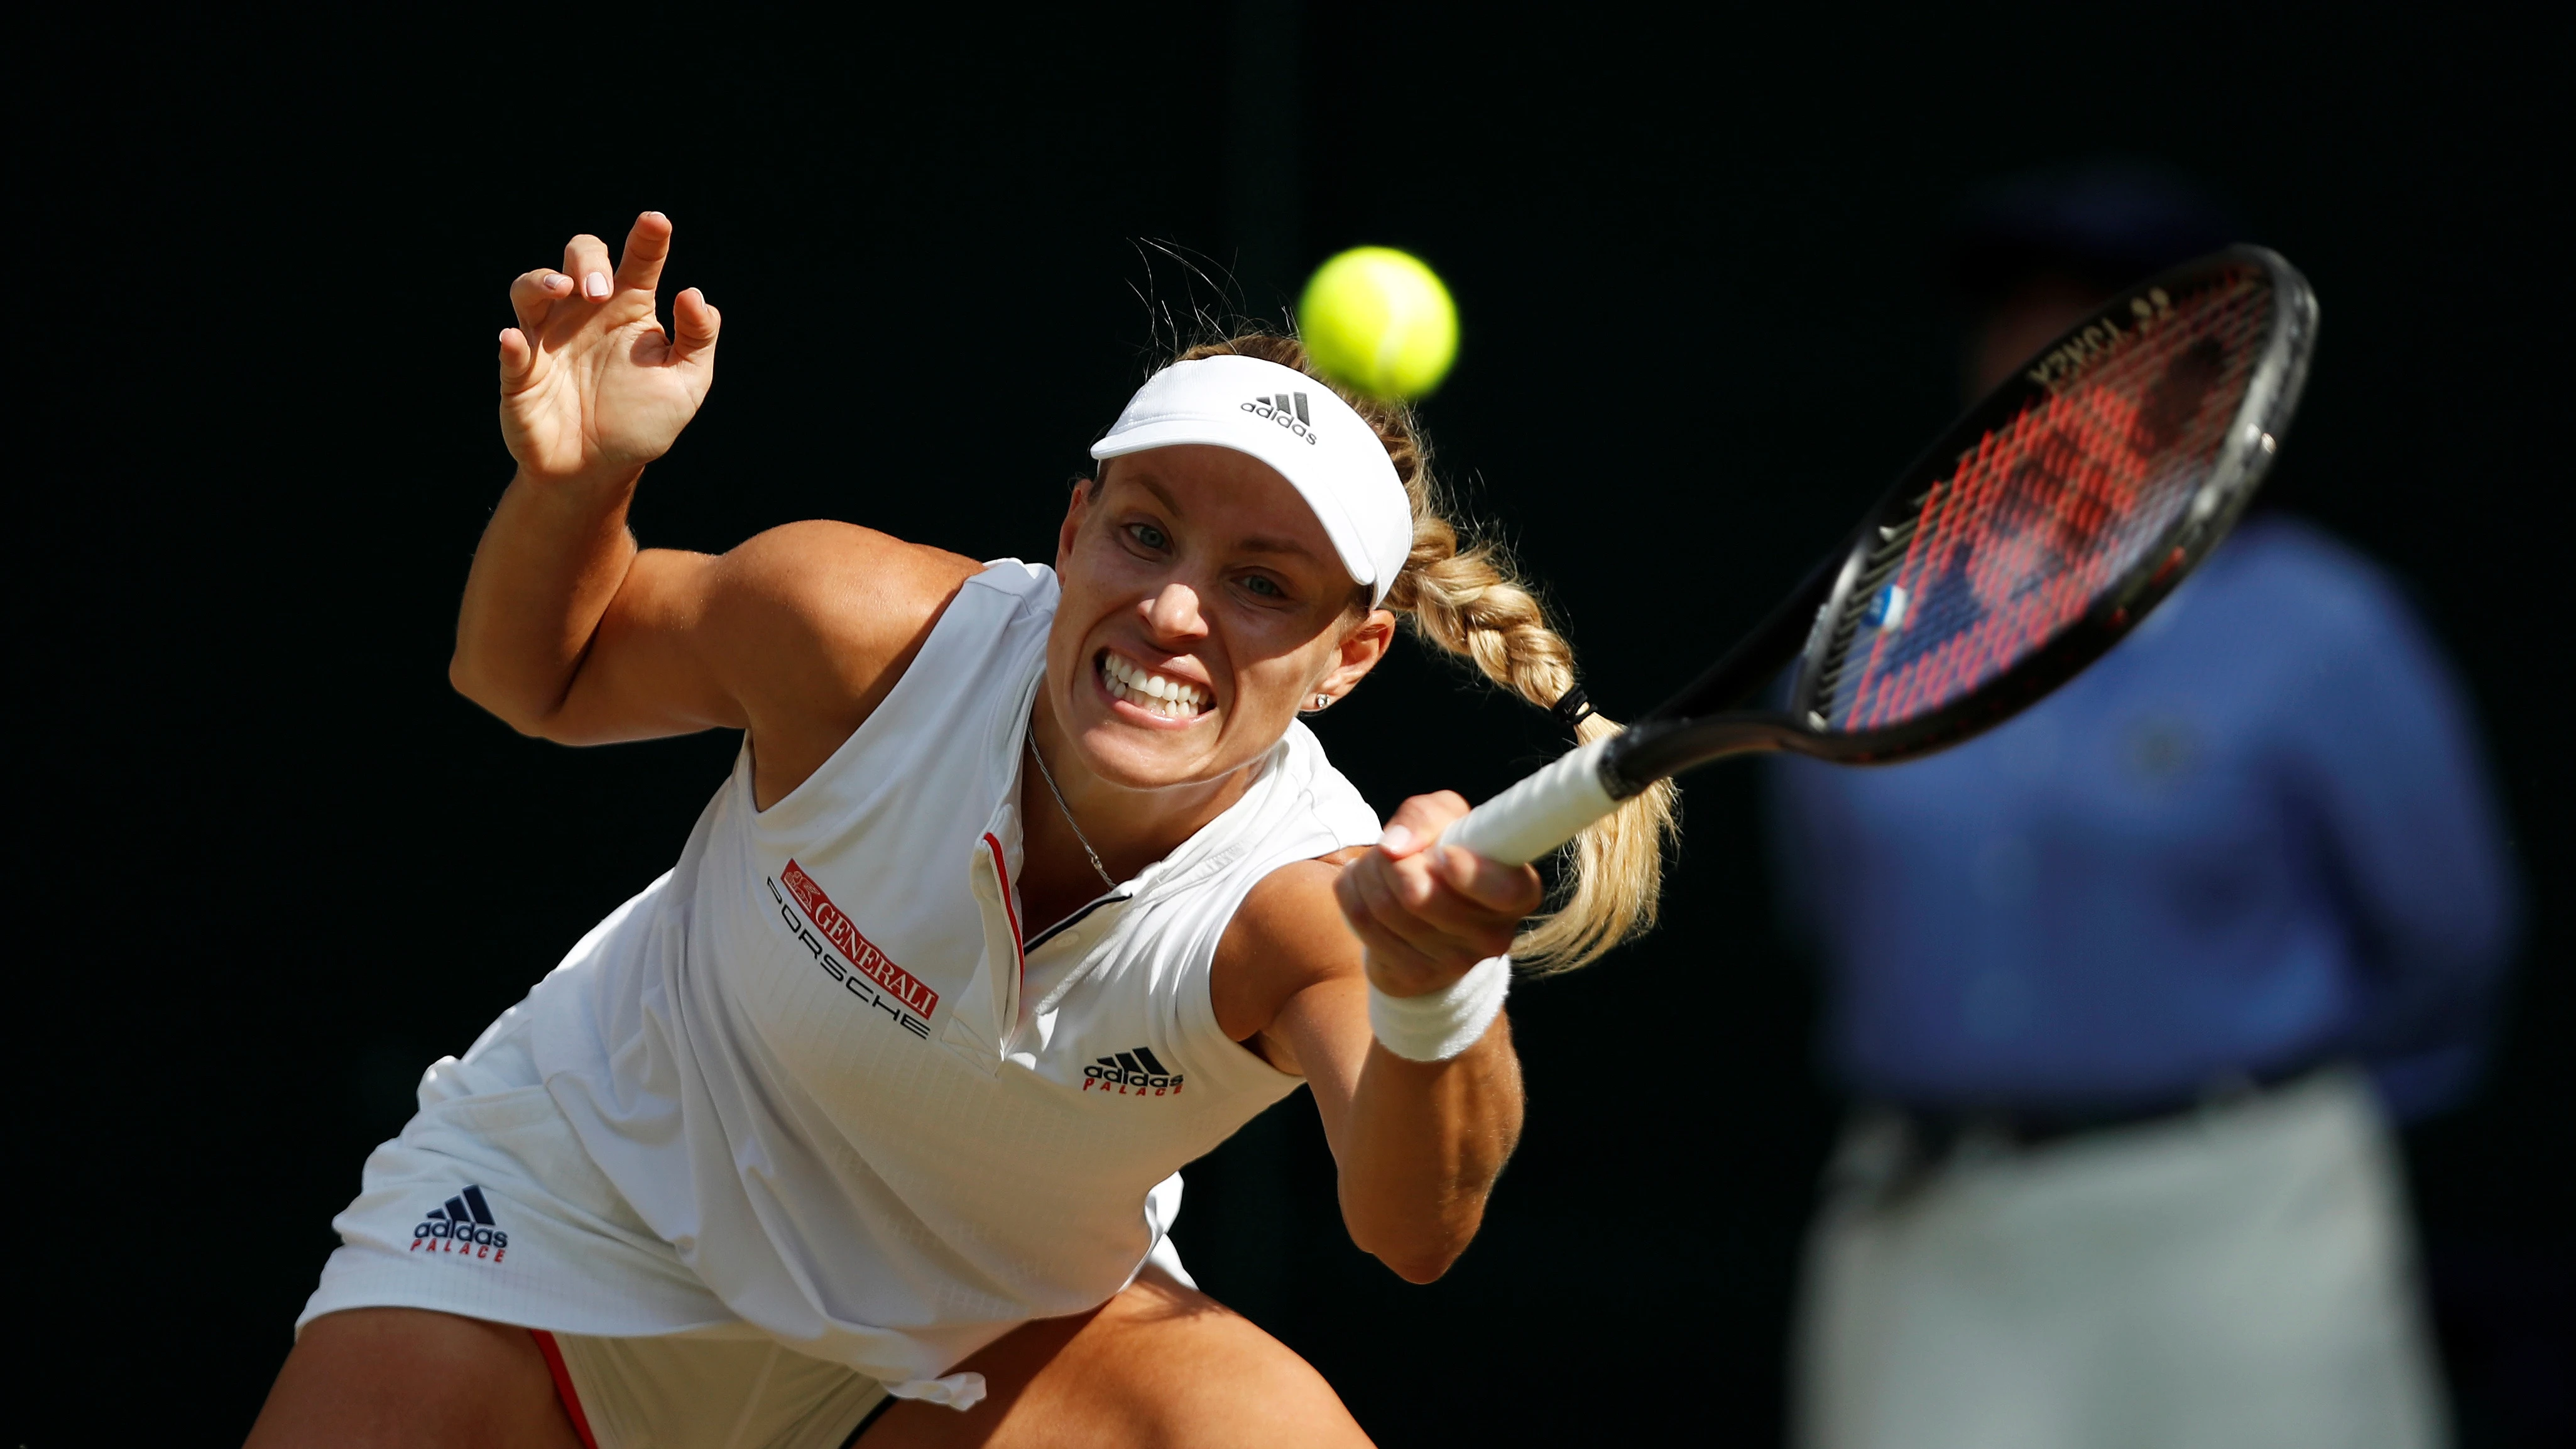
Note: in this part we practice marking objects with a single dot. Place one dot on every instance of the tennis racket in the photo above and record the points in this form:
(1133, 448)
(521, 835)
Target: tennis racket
(2027, 541)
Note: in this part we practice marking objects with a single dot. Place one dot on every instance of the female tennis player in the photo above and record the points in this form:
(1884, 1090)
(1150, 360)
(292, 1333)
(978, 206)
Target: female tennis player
(862, 1125)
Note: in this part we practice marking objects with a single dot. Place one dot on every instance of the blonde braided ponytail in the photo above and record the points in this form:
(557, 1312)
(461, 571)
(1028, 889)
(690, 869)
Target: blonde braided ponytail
(1466, 599)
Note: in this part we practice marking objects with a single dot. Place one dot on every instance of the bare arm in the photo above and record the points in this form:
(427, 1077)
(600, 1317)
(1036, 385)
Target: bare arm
(1419, 1144)
(591, 391)
(535, 642)
(570, 632)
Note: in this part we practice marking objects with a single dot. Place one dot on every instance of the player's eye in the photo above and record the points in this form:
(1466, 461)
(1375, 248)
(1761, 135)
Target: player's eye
(1148, 536)
(1263, 586)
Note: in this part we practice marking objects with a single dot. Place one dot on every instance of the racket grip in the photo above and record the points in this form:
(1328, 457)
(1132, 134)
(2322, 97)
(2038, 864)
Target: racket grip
(1540, 813)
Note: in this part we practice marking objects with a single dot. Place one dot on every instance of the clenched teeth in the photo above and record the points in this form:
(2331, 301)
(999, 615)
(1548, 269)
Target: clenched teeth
(1152, 693)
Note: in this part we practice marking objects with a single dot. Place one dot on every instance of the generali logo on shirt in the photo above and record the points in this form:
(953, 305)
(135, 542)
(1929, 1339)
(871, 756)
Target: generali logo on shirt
(847, 956)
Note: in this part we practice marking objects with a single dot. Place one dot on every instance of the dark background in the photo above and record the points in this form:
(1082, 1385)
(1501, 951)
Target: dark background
(273, 866)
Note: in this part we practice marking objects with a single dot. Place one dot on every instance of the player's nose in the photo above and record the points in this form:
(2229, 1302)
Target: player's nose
(1173, 614)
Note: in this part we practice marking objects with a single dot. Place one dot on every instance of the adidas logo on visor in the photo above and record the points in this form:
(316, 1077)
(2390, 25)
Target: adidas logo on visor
(462, 1224)
(1132, 1073)
(1288, 410)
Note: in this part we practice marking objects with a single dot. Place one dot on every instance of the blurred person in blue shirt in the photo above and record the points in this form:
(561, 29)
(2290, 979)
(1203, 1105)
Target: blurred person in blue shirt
(2129, 988)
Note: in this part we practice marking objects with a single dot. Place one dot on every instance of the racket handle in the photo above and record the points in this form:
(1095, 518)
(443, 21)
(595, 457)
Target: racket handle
(1540, 813)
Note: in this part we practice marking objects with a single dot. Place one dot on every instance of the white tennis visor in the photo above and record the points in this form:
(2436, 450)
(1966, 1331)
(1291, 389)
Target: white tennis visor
(1301, 429)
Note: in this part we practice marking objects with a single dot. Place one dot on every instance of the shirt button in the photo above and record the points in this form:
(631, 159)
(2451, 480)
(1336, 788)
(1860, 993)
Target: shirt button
(1071, 938)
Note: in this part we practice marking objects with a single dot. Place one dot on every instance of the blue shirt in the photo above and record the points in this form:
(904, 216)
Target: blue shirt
(2258, 833)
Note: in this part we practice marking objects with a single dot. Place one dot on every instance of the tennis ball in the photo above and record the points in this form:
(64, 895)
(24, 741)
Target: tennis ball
(1378, 320)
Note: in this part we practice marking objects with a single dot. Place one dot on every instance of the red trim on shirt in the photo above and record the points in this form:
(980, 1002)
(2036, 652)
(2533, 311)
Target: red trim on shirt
(563, 1386)
(1002, 872)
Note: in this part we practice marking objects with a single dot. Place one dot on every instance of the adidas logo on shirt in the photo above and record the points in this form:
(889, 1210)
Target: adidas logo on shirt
(462, 1224)
(1288, 410)
(1132, 1073)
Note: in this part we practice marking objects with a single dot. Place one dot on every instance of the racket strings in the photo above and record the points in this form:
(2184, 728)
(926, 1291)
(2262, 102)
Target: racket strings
(2047, 512)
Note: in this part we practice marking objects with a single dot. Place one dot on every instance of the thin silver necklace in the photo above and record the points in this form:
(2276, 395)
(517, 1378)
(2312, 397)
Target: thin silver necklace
(1067, 811)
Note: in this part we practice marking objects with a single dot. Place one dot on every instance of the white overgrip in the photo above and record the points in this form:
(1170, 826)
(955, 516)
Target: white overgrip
(1540, 813)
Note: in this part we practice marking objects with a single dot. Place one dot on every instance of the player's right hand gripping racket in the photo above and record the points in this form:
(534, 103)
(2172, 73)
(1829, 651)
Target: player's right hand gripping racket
(2022, 545)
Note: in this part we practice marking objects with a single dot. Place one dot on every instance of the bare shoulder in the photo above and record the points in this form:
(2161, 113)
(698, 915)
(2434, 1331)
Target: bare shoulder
(1287, 936)
(842, 579)
(850, 605)
(810, 626)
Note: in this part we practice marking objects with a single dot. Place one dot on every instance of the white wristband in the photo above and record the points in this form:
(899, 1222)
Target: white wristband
(1438, 1025)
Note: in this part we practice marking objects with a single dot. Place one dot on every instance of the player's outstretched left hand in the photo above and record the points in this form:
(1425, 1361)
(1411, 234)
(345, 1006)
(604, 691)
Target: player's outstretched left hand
(590, 384)
(1429, 912)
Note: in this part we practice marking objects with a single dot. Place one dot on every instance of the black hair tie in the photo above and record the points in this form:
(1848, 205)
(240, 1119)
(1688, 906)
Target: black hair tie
(1571, 710)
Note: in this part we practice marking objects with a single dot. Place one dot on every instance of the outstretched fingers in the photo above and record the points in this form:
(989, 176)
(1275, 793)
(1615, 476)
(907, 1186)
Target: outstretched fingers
(648, 245)
(586, 259)
(517, 358)
(534, 295)
(694, 323)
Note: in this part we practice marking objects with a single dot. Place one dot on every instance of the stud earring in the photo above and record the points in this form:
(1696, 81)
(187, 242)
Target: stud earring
(1322, 702)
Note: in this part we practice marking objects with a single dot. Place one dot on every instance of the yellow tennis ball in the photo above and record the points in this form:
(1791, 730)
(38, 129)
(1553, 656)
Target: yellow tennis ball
(1378, 320)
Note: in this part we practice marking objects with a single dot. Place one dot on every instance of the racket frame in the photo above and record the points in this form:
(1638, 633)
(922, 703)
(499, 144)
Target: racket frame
(1705, 722)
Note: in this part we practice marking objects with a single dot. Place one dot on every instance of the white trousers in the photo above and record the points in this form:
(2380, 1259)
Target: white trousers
(2237, 1277)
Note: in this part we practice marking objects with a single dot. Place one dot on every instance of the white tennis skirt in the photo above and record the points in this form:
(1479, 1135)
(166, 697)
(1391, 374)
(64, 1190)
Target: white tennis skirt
(486, 1206)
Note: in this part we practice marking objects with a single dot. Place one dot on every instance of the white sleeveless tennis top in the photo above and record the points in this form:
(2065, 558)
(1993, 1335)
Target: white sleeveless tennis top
(827, 1061)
